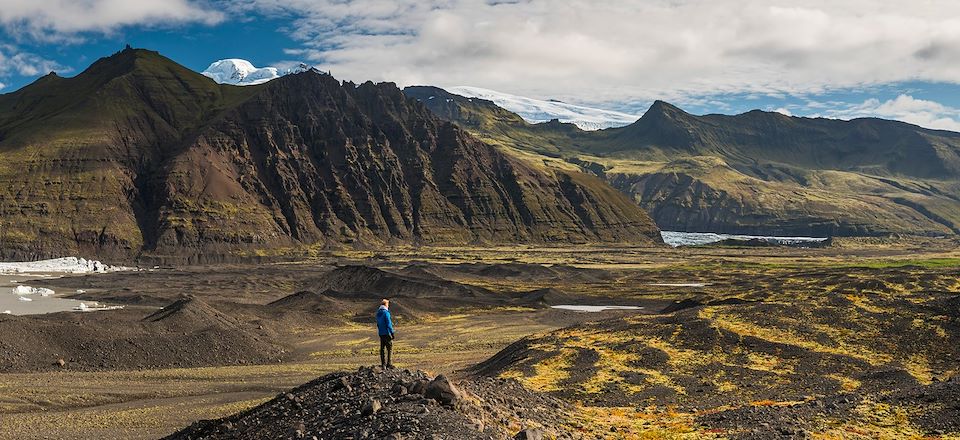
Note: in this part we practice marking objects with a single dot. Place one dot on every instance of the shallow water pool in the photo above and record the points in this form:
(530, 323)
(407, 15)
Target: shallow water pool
(593, 309)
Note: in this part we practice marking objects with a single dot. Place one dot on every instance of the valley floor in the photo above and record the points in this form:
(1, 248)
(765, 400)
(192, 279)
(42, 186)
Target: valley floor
(796, 326)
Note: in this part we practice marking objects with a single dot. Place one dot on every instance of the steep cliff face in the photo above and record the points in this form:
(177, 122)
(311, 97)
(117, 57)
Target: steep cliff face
(759, 172)
(140, 155)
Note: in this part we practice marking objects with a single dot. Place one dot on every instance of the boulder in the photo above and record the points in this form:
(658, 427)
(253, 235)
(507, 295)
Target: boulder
(418, 386)
(443, 391)
(371, 407)
(529, 434)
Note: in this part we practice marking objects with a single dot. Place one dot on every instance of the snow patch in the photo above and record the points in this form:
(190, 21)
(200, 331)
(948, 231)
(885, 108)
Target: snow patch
(23, 298)
(593, 309)
(7, 312)
(538, 110)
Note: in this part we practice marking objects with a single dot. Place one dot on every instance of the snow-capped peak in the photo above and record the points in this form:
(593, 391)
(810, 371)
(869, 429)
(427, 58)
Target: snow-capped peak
(538, 110)
(243, 73)
(299, 68)
(239, 72)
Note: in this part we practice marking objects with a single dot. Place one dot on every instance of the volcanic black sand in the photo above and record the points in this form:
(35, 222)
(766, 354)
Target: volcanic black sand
(859, 340)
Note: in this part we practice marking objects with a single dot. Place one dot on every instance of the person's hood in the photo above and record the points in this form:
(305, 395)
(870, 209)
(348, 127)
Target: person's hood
(383, 307)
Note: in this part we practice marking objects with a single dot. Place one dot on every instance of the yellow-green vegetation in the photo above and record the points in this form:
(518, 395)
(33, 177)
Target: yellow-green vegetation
(610, 367)
(873, 421)
(551, 372)
(644, 423)
(843, 342)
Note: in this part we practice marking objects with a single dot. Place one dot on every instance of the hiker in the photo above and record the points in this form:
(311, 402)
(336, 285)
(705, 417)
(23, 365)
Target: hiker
(385, 328)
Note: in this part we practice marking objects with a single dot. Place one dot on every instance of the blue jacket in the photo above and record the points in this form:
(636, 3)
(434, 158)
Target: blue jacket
(384, 322)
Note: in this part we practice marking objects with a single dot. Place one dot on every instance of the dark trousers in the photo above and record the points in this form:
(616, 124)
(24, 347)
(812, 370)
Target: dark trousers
(386, 348)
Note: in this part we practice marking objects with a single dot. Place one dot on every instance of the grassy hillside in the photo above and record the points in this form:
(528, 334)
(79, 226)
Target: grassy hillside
(758, 172)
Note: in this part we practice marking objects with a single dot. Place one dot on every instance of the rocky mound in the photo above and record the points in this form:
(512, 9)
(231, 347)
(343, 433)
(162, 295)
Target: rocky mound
(191, 312)
(187, 333)
(526, 271)
(548, 297)
(377, 283)
(393, 404)
(308, 301)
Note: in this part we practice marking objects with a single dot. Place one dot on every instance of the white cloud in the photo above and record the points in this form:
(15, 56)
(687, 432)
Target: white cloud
(594, 51)
(905, 108)
(15, 62)
(51, 20)
(28, 64)
(783, 111)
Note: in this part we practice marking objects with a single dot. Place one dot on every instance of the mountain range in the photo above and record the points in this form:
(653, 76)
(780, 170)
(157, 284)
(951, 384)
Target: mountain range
(753, 173)
(241, 72)
(138, 156)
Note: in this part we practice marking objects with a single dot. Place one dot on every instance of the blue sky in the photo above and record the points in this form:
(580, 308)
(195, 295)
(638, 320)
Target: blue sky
(814, 58)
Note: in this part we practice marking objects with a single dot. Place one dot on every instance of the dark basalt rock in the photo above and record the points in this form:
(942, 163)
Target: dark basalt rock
(325, 409)
(443, 391)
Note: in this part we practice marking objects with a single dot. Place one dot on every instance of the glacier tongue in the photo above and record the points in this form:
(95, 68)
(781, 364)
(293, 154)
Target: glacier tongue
(537, 110)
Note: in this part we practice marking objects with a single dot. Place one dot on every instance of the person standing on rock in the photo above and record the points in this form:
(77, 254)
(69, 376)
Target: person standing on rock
(385, 328)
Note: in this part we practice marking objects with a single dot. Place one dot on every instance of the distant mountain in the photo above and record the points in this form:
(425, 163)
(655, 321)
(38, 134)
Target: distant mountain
(243, 73)
(537, 110)
(754, 173)
(138, 155)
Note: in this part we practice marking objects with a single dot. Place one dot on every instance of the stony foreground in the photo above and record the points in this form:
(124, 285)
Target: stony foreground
(394, 404)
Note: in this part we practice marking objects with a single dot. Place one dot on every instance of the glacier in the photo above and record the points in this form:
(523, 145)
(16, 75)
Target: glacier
(538, 110)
